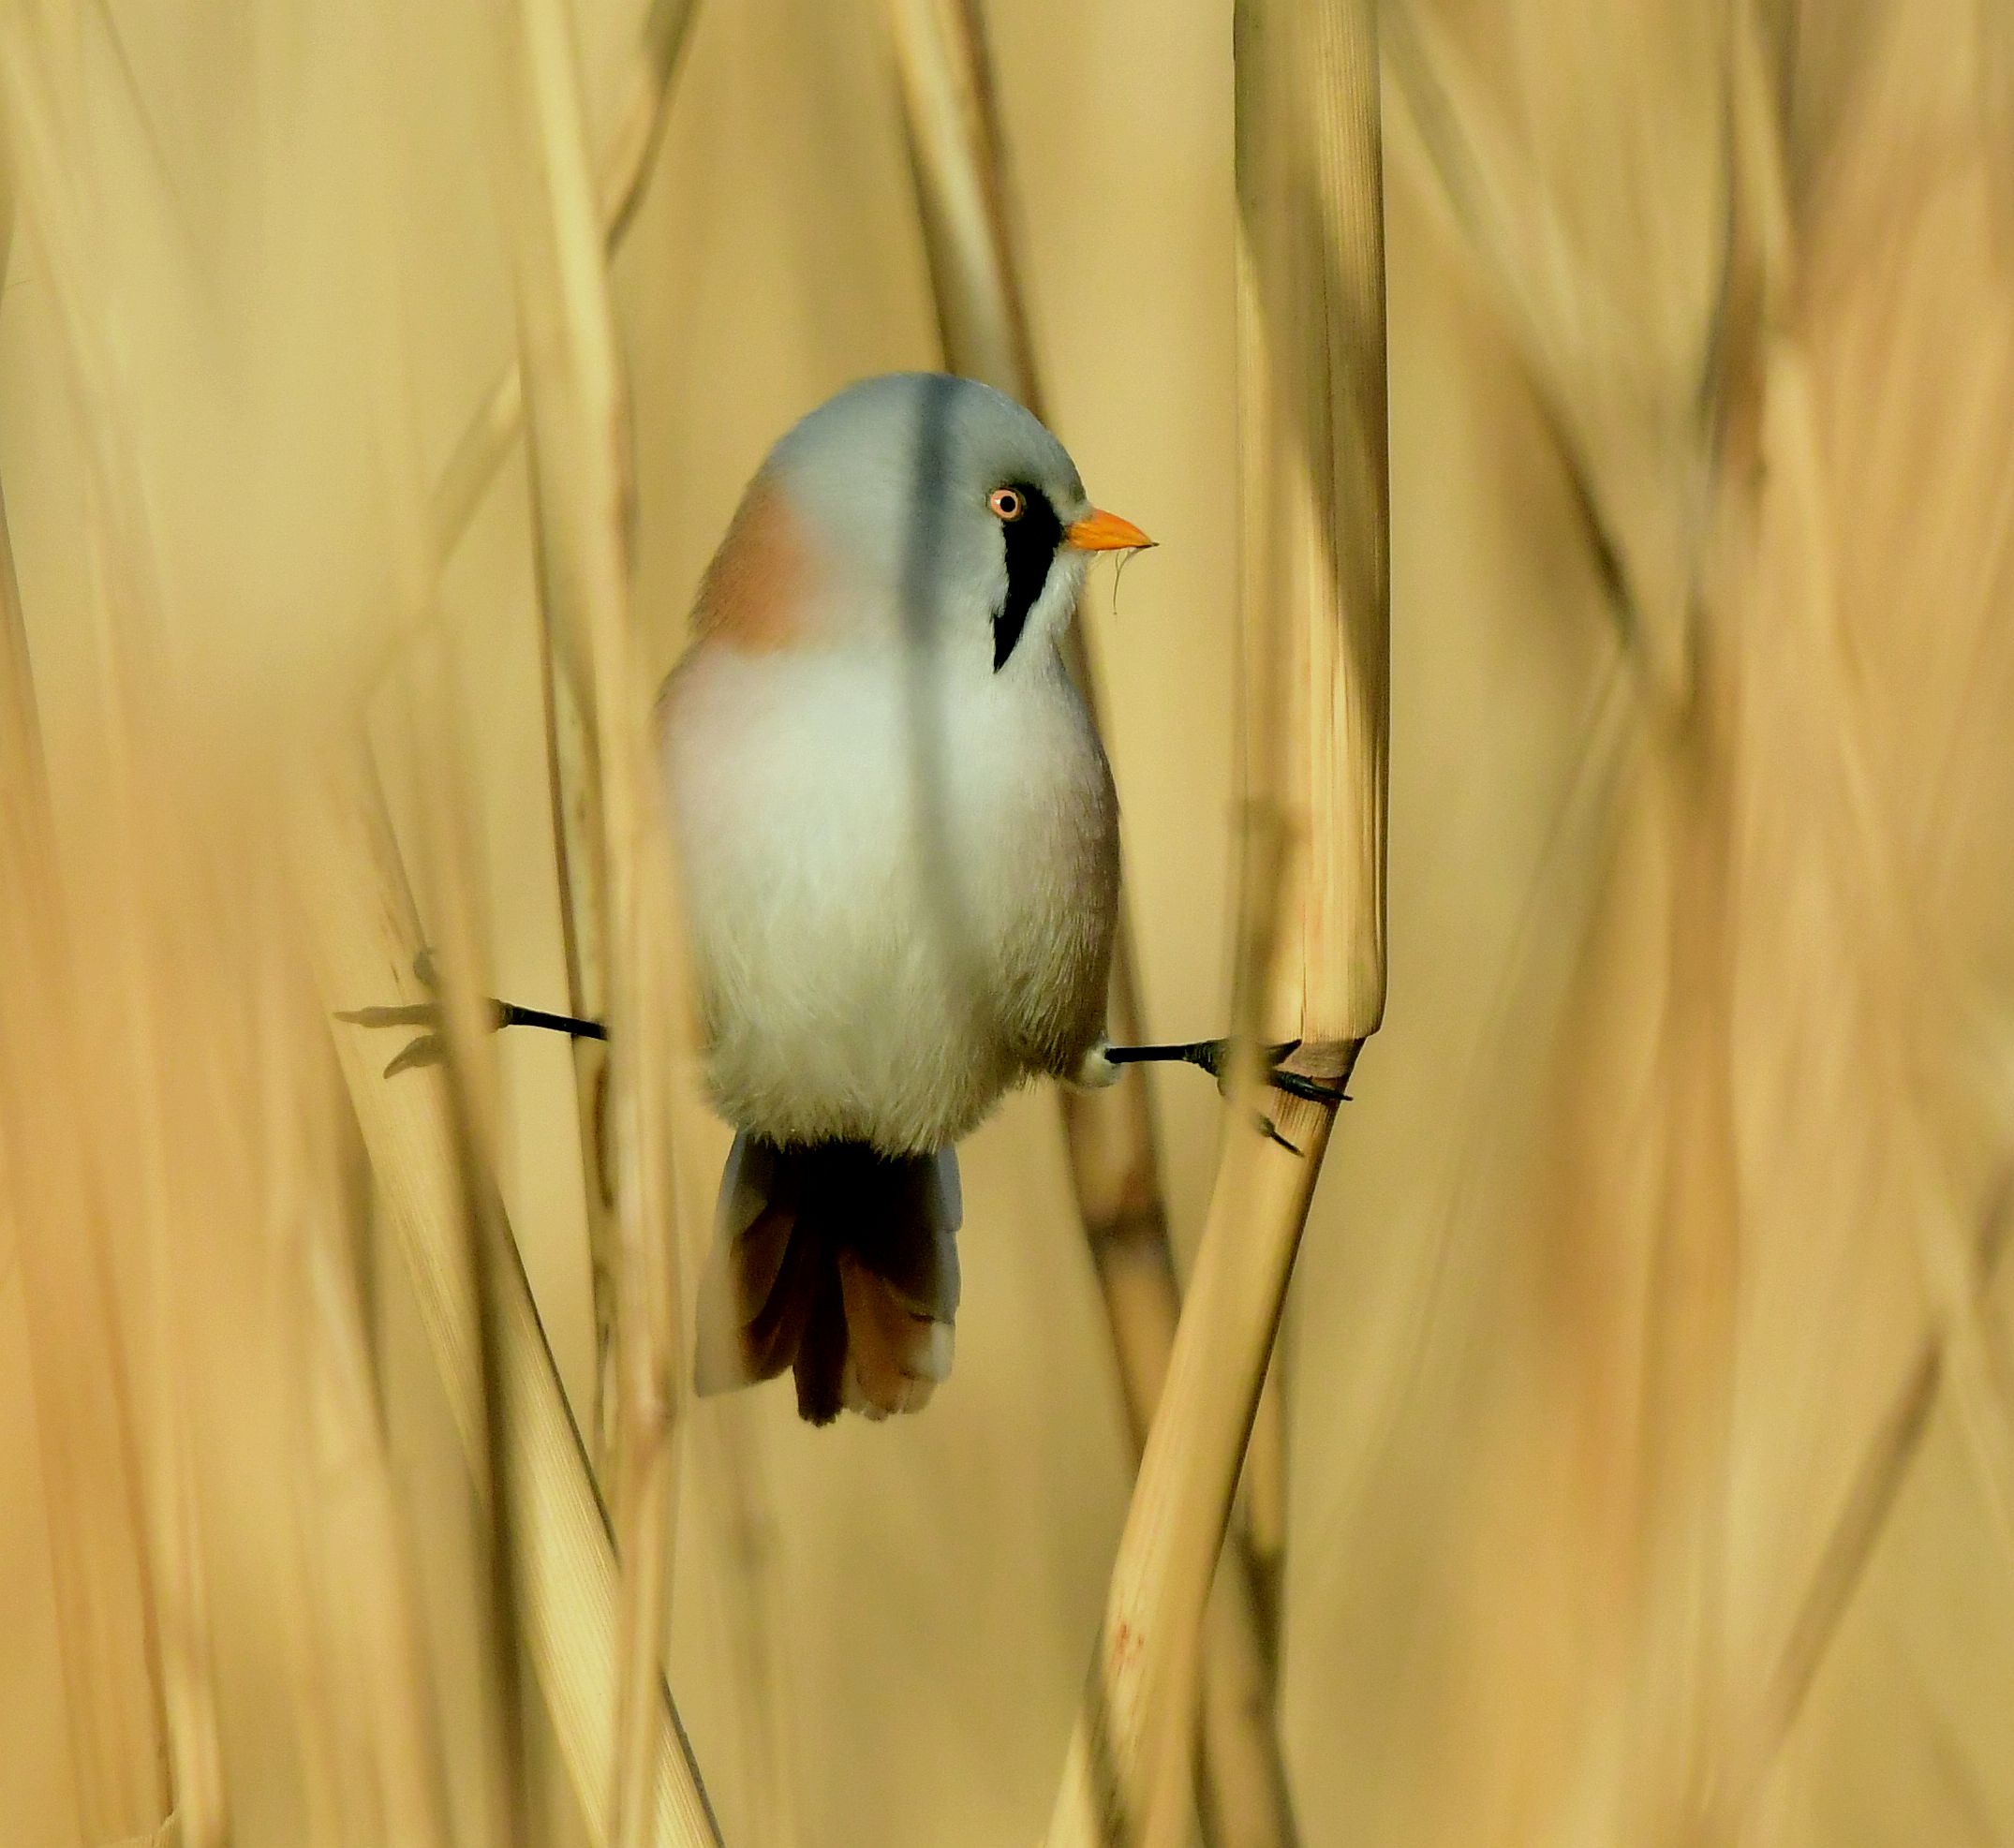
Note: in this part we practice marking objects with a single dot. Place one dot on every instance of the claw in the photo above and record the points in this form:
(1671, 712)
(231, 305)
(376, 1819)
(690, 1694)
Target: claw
(1295, 1084)
(1219, 1050)
(428, 1049)
(417, 1013)
(1271, 1130)
(1313, 1090)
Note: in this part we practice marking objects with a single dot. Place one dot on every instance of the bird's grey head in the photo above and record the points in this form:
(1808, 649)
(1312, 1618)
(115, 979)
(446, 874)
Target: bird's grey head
(944, 511)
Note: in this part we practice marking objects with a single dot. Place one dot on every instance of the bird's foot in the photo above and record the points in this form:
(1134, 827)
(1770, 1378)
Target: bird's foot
(431, 1047)
(1214, 1056)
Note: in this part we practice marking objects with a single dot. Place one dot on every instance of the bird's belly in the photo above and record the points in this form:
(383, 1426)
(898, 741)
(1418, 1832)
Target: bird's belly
(832, 1013)
(868, 960)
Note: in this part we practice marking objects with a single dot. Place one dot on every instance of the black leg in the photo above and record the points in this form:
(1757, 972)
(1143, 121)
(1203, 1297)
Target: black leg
(1212, 1055)
(430, 1048)
(1209, 1053)
(510, 1014)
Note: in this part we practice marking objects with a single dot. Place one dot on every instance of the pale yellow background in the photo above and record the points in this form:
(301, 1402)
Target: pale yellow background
(937, 1580)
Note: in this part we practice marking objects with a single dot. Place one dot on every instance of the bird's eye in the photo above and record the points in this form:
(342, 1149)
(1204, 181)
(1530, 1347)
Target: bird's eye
(1007, 503)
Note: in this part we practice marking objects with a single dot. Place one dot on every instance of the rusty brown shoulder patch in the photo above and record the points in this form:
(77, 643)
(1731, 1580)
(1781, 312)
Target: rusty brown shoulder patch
(753, 592)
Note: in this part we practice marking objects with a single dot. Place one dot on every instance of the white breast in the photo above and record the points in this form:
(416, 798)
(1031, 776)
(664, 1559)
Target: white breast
(880, 877)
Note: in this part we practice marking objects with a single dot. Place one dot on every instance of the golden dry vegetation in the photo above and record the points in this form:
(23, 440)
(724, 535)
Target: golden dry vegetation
(1637, 1467)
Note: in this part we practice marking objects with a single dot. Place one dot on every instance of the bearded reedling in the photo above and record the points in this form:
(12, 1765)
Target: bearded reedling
(897, 841)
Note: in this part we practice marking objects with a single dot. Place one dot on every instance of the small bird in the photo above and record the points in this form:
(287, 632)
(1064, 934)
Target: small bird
(898, 840)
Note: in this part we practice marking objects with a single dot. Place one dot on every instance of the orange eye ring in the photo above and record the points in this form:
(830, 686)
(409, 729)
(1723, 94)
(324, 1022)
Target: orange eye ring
(1007, 503)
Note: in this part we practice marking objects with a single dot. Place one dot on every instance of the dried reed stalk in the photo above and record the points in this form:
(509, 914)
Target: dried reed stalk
(366, 1550)
(1263, 1491)
(577, 826)
(580, 493)
(1181, 1504)
(105, 1623)
(625, 166)
(126, 611)
(761, 1637)
(1781, 287)
(577, 822)
(1773, 1706)
(355, 892)
(1615, 367)
(1780, 733)
(958, 163)
(1313, 514)
(434, 750)
(350, 1526)
(1316, 617)
(1618, 355)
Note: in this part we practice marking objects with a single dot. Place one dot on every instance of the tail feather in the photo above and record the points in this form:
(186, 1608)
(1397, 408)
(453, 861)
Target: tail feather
(839, 1262)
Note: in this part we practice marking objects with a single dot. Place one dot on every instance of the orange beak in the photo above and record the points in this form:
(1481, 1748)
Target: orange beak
(1105, 532)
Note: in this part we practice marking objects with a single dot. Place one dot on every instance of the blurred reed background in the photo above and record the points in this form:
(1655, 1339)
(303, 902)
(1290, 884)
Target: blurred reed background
(1639, 1466)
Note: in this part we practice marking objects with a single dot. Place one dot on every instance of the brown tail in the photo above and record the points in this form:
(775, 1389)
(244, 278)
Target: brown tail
(839, 1262)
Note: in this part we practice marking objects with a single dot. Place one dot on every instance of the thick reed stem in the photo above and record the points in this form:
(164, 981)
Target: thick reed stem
(1312, 904)
(959, 164)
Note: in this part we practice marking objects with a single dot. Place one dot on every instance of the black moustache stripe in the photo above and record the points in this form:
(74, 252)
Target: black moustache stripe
(1031, 544)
